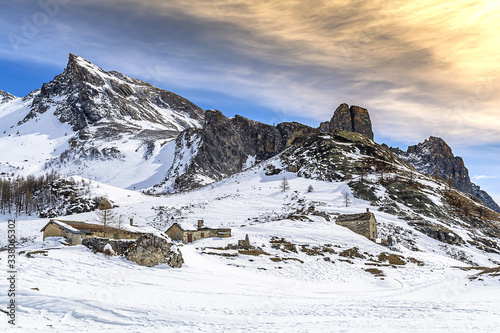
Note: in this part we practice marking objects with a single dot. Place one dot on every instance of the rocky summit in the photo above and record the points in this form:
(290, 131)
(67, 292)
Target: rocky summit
(85, 95)
(435, 157)
(350, 119)
(5, 97)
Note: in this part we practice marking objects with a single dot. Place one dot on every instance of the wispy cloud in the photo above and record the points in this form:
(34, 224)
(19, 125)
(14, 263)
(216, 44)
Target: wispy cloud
(484, 177)
(421, 67)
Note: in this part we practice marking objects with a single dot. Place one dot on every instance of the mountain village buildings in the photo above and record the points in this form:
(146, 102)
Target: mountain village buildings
(364, 224)
(75, 231)
(188, 234)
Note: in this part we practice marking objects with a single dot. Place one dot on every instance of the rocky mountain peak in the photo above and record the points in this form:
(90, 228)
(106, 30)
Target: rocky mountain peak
(84, 71)
(350, 119)
(84, 95)
(435, 157)
(5, 97)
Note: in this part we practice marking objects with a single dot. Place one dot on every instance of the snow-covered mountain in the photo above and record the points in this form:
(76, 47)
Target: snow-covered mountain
(435, 262)
(222, 147)
(306, 274)
(97, 124)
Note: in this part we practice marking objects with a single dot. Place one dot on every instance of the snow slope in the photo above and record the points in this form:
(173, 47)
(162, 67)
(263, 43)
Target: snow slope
(101, 125)
(297, 292)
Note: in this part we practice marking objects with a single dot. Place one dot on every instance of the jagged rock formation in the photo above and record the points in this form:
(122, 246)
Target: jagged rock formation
(85, 95)
(435, 157)
(5, 97)
(225, 146)
(150, 250)
(351, 119)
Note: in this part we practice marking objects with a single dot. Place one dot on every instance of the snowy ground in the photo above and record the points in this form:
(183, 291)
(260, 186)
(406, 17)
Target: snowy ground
(82, 291)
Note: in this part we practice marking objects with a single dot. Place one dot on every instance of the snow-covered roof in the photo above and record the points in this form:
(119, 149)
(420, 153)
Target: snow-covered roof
(79, 227)
(63, 225)
(187, 226)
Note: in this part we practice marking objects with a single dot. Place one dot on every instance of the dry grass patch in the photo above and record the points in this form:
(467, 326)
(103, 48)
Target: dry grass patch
(352, 253)
(254, 252)
(393, 259)
(375, 271)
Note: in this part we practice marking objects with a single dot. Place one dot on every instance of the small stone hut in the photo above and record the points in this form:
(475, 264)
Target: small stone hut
(364, 224)
(188, 234)
(75, 231)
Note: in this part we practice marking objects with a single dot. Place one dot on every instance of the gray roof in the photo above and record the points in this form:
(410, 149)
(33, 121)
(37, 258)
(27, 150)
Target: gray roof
(354, 217)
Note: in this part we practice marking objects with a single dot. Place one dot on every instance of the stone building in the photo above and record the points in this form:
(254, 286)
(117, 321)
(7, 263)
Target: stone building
(75, 231)
(188, 234)
(364, 224)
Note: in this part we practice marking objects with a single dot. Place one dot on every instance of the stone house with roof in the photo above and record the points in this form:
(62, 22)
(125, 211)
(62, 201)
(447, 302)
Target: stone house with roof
(75, 231)
(188, 234)
(364, 224)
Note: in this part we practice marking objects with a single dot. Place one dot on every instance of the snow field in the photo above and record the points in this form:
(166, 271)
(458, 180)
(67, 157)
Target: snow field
(78, 289)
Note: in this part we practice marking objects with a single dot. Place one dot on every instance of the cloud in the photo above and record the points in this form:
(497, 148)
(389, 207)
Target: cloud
(422, 68)
(484, 177)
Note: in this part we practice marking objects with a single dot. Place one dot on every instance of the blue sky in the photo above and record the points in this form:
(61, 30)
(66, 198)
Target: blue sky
(421, 68)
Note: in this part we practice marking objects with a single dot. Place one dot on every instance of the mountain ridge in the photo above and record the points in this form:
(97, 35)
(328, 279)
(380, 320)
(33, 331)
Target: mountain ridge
(435, 157)
(182, 146)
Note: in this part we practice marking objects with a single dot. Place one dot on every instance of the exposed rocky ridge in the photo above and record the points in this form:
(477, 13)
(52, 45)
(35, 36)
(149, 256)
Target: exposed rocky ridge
(350, 119)
(435, 157)
(5, 97)
(225, 146)
(84, 95)
(374, 173)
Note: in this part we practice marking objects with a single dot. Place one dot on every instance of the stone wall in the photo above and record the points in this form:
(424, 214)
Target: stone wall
(97, 244)
(367, 228)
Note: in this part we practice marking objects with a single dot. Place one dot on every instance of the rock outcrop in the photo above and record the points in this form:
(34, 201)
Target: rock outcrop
(435, 157)
(150, 250)
(147, 250)
(225, 146)
(350, 119)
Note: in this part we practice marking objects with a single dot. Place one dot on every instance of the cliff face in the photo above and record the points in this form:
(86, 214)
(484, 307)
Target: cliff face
(225, 146)
(435, 157)
(351, 119)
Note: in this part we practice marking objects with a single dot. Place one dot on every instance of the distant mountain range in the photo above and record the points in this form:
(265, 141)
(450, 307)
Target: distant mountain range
(125, 132)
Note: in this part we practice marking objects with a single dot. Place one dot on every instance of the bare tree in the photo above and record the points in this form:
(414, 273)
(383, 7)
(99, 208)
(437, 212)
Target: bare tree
(105, 214)
(363, 167)
(119, 223)
(347, 199)
(285, 186)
